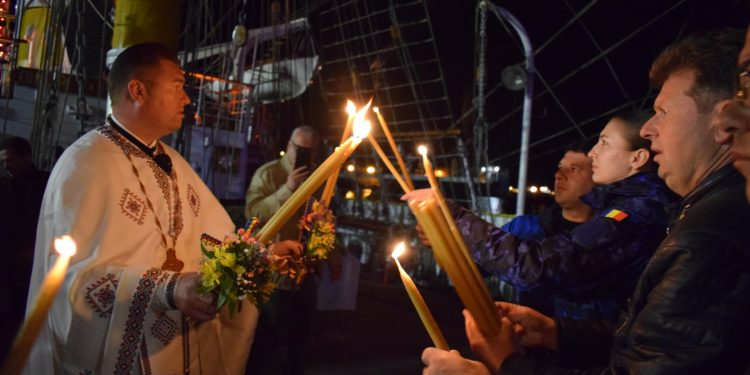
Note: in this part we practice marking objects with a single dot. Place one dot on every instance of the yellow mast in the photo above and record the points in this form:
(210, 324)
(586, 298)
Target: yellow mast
(138, 21)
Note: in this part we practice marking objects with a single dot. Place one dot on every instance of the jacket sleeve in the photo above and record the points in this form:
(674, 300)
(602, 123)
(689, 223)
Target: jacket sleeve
(569, 261)
(263, 197)
(525, 227)
(695, 319)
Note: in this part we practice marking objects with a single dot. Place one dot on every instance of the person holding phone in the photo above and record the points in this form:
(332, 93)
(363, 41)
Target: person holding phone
(287, 318)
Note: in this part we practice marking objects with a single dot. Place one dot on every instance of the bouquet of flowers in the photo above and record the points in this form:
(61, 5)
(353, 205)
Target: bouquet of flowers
(237, 269)
(319, 230)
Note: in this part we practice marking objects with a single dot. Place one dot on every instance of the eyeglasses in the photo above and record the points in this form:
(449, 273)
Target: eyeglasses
(743, 84)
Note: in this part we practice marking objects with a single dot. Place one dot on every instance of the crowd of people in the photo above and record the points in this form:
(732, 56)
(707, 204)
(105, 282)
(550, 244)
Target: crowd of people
(643, 268)
(686, 313)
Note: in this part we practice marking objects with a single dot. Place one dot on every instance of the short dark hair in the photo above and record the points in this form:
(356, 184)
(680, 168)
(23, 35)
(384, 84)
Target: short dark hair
(130, 64)
(634, 121)
(16, 145)
(712, 56)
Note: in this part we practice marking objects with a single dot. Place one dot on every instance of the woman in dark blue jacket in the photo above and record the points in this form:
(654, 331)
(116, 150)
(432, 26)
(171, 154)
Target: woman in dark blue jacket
(590, 271)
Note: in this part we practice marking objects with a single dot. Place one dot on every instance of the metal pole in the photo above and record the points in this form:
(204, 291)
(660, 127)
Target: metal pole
(526, 124)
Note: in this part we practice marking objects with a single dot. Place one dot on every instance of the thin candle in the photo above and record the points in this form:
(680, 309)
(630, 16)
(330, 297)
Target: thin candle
(491, 326)
(358, 118)
(467, 287)
(65, 247)
(313, 182)
(447, 214)
(351, 111)
(392, 142)
(419, 304)
(388, 164)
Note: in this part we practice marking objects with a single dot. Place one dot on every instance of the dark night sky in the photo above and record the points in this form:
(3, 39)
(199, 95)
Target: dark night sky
(631, 32)
(584, 87)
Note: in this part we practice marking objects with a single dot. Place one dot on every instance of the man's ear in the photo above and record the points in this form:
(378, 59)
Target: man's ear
(136, 90)
(639, 158)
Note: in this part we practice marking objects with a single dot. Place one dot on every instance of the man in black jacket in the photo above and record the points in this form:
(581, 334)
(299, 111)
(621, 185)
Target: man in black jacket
(688, 313)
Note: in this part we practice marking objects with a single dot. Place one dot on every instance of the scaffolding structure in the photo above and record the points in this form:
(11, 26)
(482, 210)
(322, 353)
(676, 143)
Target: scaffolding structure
(386, 51)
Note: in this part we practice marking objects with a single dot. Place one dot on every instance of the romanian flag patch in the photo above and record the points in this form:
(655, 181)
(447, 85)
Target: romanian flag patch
(616, 215)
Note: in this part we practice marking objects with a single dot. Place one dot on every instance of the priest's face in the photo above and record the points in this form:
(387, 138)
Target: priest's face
(165, 99)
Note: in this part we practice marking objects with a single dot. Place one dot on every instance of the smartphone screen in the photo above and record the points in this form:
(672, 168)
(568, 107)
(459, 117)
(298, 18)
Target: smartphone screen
(303, 158)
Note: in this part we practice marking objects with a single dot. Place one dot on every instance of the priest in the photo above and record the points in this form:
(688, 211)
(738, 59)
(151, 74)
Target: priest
(129, 303)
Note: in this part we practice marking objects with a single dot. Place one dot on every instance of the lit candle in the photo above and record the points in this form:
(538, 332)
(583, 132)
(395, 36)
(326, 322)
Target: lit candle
(313, 182)
(26, 336)
(467, 288)
(354, 118)
(388, 164)
(486, 313)
(392, 142)
(351, 110)
(419, 304)
(428, 171)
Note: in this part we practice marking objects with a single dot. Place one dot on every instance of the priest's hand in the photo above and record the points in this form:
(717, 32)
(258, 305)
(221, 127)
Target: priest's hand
(296, 177)
(418, 195)
(443, 362)
(192, 303)
(491, 351)
(287, 247)
(533, 328)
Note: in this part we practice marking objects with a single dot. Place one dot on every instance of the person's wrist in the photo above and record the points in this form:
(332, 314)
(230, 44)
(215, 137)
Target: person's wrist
(171, 287)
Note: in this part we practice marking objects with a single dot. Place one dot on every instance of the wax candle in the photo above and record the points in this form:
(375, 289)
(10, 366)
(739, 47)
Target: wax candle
(313, 182)
(392, 142)
(468, 288)
(419, 304)
(388, 164)
(351, 111)
(357, 118)
(26, 336)
(486, 314)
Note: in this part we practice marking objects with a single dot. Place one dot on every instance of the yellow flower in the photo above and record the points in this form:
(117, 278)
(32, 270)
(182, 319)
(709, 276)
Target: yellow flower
(238, 269)
(209, 273)
(225, 258)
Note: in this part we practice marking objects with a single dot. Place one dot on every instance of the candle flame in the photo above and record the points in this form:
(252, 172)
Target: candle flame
(398, 250)
(422, 149)
(350, 107)
(376, 109)
(361, 126)
(361, 129)
(65, 246)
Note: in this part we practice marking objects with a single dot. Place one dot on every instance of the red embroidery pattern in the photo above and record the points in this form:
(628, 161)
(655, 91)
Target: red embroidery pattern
(101, 295)
(132, 150)
(164, 329)
(161, 177)
(133, 334)
(193, 200)
(133, 207)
